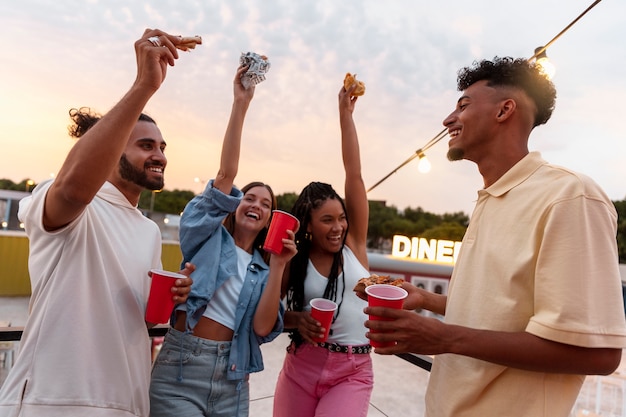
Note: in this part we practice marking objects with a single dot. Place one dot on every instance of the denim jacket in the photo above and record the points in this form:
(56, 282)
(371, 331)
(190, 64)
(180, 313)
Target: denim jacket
(206, 243)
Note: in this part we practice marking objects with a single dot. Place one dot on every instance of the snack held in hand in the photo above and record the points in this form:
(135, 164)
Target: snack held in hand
(189, 42)
(351, 79)
(375, 279)
(257, 65)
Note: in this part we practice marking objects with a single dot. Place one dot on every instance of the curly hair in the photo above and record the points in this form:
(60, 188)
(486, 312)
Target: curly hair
(518, 73)
(85, 118)
(311, 198)
(229, 221)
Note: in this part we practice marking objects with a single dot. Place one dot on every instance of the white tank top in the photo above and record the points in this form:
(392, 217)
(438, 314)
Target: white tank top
(348, 328)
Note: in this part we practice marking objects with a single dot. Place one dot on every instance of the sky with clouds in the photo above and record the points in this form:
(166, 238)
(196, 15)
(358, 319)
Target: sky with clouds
(63, 54)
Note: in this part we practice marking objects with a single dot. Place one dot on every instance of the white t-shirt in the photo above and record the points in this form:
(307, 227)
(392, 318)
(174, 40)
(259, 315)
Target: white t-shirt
(85, 350)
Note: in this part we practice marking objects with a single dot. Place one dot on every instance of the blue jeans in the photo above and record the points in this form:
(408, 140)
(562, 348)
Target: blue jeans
(189, 379)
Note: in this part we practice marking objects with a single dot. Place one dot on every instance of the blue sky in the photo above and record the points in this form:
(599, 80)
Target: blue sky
(64, 54)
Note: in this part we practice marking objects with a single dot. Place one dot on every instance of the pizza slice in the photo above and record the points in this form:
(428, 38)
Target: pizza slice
(189, 42)
(375, 279)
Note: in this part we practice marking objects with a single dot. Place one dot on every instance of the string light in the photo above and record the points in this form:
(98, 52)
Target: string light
(546, 67)
(420, 153)
(423, 165)
(540, 58)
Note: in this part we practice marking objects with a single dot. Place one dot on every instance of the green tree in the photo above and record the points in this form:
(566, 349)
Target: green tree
(446, 230)
(458, 217)
(6, 184)
(171, 202)
(286, 201)
(24, 185)
(384, 221)
(424, 220)
(380, 217)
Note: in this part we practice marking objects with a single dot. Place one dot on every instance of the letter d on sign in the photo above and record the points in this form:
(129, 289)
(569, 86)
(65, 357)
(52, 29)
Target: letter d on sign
(401, 246)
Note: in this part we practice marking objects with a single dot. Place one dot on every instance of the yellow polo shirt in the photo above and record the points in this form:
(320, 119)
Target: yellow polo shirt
(539, 255)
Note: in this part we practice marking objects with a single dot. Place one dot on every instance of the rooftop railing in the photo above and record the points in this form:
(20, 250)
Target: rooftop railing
(12, 334)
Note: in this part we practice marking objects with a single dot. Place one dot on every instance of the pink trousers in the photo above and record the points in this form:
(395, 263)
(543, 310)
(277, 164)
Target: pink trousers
(315, 382)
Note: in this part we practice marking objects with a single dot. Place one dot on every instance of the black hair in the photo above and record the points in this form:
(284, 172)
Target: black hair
(85, 118)
(518, 73)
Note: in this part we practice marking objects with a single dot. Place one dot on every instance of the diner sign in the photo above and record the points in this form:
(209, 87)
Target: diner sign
(419, 248)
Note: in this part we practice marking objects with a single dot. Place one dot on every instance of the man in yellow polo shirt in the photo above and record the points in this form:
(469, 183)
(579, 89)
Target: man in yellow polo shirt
(535, 301)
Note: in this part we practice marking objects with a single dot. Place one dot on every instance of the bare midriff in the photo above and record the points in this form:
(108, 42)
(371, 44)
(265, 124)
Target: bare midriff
(206, 328)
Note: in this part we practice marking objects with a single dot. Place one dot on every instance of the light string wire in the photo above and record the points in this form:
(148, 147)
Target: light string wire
(443, 133)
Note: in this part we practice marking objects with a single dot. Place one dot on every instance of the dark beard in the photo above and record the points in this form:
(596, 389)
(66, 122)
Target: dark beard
(136, 176)
(455, 154)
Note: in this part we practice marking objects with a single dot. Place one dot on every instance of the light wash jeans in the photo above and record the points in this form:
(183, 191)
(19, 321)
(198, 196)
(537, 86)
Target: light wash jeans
(189, 379)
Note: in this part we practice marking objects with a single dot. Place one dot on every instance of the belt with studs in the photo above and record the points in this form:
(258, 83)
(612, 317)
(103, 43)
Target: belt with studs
(333, 347)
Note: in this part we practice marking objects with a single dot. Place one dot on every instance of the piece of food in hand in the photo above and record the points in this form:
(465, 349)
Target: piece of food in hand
(351, 79)
(375, 279)
(189, 42)
(258, 66)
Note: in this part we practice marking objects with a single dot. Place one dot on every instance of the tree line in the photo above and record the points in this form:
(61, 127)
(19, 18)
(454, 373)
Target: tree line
(384, 221)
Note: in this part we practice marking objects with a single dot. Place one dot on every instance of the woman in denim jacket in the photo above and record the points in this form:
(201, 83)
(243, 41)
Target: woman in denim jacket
(234, 304)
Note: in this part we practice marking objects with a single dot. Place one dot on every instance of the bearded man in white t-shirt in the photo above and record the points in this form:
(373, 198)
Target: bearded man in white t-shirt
(85, 350)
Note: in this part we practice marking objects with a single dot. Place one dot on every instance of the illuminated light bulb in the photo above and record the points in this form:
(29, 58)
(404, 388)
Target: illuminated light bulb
(423, 165)
(546, 67)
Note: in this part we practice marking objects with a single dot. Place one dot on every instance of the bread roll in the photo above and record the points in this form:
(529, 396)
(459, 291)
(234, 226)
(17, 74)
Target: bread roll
(351, 79)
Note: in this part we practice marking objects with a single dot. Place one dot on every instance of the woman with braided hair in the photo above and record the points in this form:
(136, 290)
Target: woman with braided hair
(334, 377)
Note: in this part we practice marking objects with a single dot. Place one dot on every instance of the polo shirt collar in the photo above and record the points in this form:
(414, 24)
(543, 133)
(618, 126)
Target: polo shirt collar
(516, 175)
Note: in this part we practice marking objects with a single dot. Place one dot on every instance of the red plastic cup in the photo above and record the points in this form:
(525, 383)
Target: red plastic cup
(384, 295)
(281, 222)
(160, 303)
(323, 310)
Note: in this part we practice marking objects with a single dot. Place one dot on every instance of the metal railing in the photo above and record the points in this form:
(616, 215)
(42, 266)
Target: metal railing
(12, 334)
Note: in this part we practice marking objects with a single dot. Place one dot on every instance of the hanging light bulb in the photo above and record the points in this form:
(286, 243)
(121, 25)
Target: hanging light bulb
(544, 63)
(423, 165)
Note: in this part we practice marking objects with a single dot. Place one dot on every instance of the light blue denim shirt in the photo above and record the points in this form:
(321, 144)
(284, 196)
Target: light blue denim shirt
(206, 243)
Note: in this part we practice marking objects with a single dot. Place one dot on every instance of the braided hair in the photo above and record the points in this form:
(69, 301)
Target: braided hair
(311, 198)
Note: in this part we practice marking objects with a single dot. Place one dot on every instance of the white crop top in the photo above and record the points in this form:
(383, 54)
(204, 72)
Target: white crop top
(223, 304)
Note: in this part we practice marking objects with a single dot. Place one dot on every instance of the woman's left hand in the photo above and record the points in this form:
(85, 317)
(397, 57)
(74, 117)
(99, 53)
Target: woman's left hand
(182, 286)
